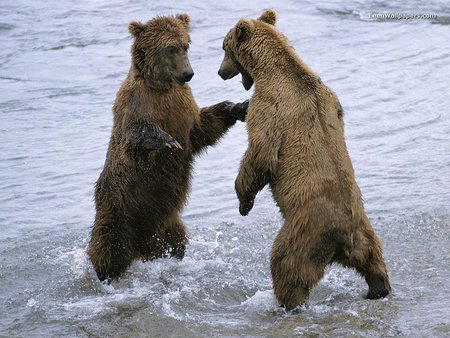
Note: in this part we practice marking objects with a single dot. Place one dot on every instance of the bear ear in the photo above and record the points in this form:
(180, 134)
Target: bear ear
(135, 28)
(269, 16)
(243, 30)
(185, 20)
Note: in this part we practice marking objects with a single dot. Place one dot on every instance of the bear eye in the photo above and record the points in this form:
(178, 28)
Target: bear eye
(171, 50)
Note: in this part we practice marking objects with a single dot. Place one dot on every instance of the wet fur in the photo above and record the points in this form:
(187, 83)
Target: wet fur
(140, 192)
(297, 146)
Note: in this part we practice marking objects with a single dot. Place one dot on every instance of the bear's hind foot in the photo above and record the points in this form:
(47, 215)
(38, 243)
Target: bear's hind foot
(379, 287)
(105, 281)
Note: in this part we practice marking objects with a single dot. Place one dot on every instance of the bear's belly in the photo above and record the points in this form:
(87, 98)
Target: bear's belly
(165, 183)
(293, 186)
(146, 190)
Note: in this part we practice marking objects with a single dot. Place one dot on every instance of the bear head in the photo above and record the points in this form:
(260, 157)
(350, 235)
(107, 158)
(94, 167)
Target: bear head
(159, 51)
(241, 46)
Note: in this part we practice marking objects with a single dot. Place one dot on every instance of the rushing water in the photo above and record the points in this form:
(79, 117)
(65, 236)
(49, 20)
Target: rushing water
(61, 63)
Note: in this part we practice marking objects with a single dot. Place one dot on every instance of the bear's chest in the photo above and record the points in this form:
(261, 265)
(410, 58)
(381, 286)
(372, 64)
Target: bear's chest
(176, 113)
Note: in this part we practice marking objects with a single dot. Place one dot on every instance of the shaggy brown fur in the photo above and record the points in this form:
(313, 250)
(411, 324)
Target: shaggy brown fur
(297, 146)
(141, 191)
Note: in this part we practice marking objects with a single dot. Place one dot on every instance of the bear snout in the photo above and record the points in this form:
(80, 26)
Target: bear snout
(224, 74)
(187, 75)
(228, 68)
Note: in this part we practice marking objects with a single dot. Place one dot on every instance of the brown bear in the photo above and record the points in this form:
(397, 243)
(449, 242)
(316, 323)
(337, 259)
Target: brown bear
(157, 130)
(296, 145)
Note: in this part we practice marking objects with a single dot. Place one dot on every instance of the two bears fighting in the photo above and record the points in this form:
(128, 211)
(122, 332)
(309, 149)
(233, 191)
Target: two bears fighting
(296, 145)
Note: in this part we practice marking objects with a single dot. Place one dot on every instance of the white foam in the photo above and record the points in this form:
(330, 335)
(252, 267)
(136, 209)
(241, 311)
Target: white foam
(32, 302)
(77, 260)
(167, 300)
(260, 301)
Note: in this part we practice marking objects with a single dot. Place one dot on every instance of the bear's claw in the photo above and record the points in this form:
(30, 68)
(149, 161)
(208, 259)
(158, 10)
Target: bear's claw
(155, 138)
(239, 110)
(173, 144)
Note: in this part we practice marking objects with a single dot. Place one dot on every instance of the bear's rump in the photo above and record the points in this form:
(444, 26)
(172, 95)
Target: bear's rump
(322, 223)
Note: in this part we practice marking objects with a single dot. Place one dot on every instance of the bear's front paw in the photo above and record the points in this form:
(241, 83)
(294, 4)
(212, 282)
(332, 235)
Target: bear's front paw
(173, 144)
(245, 206)
(155, 138)
(239, 110)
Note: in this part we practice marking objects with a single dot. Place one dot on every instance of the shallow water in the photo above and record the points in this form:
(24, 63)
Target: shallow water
(61, 64)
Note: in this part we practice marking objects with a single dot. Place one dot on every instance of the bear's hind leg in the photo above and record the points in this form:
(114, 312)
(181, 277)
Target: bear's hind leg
(297, 264)
(367, 258)
(176, 238)
(109, 251)
(170, 240)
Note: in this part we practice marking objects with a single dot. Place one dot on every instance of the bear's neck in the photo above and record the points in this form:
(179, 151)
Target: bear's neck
(158, 86)
(279, 65)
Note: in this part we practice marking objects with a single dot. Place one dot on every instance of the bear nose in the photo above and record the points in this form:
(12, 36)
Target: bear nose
(188, 75)
(225, 75)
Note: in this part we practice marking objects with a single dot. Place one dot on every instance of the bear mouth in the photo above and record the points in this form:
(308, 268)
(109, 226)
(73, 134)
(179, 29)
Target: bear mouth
(179, 81)
(247, 80)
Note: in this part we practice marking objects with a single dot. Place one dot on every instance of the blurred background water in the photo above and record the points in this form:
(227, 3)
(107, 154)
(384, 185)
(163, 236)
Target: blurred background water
(61, 64)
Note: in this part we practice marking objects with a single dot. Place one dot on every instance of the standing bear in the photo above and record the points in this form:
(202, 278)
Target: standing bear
(157, 130)
(297, 146)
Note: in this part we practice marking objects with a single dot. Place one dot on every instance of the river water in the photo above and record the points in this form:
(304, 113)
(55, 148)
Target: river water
(61, 63)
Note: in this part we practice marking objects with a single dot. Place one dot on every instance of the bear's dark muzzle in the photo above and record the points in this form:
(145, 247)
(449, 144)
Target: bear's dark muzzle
(225, 75)
(187, 76)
